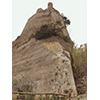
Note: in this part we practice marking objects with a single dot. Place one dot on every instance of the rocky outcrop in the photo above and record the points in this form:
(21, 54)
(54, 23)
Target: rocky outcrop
(44, 63)
(49, 16)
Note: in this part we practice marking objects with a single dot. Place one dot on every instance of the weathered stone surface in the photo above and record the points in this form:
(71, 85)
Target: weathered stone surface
(44, 63)
(49, 16)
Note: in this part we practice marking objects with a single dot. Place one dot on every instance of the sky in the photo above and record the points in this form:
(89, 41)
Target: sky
(74, 10)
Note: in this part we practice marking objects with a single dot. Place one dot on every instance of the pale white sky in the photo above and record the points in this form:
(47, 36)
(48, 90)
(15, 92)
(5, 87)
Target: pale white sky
(75, 10)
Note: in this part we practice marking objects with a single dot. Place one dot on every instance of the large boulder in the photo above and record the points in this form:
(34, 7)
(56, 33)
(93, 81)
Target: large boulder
(45, 63)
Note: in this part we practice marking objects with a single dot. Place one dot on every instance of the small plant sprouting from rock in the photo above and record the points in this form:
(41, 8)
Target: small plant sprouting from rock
(78, 98)
(81, 96)
(66, 20)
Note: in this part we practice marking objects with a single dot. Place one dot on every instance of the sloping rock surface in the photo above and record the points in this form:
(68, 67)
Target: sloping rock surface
(49, 16)
(44, 63)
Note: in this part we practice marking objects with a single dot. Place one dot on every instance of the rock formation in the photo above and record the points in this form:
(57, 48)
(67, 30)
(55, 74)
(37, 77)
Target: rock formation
(44, 63)
(48, 16)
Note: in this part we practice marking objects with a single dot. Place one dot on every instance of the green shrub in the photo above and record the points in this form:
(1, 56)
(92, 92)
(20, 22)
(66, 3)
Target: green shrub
(42, 34)
(78, 98)
(45, 33)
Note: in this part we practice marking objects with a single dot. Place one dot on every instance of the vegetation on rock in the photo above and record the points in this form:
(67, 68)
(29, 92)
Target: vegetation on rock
(79, 56)
(42, 34)
(79, 65)
(45, 33)
(66, 21)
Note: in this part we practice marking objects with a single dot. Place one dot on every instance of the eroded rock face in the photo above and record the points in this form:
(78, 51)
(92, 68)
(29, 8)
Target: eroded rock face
(44, 63)
(49, 16)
